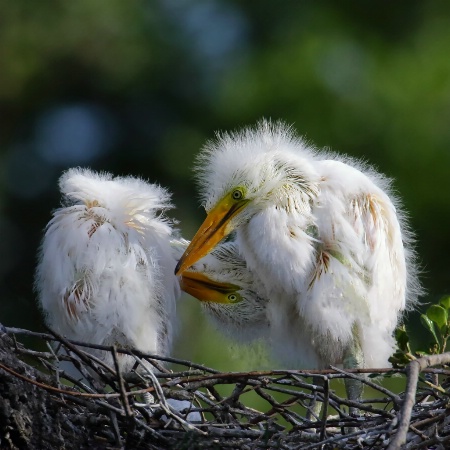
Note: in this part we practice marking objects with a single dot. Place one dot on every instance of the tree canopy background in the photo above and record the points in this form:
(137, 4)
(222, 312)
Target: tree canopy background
(137, 88)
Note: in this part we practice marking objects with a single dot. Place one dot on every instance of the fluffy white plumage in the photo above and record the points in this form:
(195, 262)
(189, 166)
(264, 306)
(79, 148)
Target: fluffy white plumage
(224, 273)
(324, 237)
(105, 272)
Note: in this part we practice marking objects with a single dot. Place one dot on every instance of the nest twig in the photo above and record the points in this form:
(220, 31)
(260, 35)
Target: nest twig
(216, 412)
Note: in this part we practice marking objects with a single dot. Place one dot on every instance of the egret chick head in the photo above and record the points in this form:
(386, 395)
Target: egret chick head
(226, 289)
(242, 173)
(254, 166)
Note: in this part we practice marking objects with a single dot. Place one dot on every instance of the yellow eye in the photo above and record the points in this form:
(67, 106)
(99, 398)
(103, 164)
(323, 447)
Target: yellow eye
(233, 298)
(237, 194)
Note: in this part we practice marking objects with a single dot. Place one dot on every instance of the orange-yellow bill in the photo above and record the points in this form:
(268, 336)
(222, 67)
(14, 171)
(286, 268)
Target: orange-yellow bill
(215, 227)
(205, 289)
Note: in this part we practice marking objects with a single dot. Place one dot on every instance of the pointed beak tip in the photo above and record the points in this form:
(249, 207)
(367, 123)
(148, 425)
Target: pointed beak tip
(181, 266)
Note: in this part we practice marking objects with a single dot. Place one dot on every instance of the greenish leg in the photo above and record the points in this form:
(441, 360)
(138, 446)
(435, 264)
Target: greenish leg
(354, 359)
(315, 407)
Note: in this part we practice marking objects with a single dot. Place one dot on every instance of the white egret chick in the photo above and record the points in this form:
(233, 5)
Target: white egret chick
(324, 238)
(230, 299)
(224, 285)
(105, 272)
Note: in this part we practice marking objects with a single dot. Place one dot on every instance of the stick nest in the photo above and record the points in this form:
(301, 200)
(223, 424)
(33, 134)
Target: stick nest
(135, 410)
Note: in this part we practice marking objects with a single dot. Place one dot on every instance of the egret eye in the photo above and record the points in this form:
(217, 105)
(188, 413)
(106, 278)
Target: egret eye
(233, 298)
(237, 194)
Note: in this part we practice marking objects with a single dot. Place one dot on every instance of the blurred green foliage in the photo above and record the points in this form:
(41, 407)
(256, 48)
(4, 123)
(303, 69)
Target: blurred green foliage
(137, 87)
(436, 321)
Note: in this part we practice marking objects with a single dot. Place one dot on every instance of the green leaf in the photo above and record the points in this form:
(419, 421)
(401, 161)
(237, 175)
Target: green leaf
(399, 359)
(428, 324)
(445, 302)
(402, 338)
(438, 315)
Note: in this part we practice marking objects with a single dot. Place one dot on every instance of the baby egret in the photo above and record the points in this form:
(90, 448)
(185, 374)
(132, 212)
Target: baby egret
(225, 287)
(105, 272)
(323, 236)
(230, 298)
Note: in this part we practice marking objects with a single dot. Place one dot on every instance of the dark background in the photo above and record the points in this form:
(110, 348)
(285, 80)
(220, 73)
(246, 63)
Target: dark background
(136, 87)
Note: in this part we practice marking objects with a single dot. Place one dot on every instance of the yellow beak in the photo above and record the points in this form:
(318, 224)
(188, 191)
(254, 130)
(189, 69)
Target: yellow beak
(215, 227)
(205, 289)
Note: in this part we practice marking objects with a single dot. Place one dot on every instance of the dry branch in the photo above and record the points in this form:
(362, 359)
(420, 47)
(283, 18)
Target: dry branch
(45, 405)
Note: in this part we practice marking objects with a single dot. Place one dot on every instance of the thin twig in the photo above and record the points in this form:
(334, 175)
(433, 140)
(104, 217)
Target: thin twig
(123, 393)
(229, 421)
(162, 399)
(326, 400)
(395, 398)
(413, 369)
